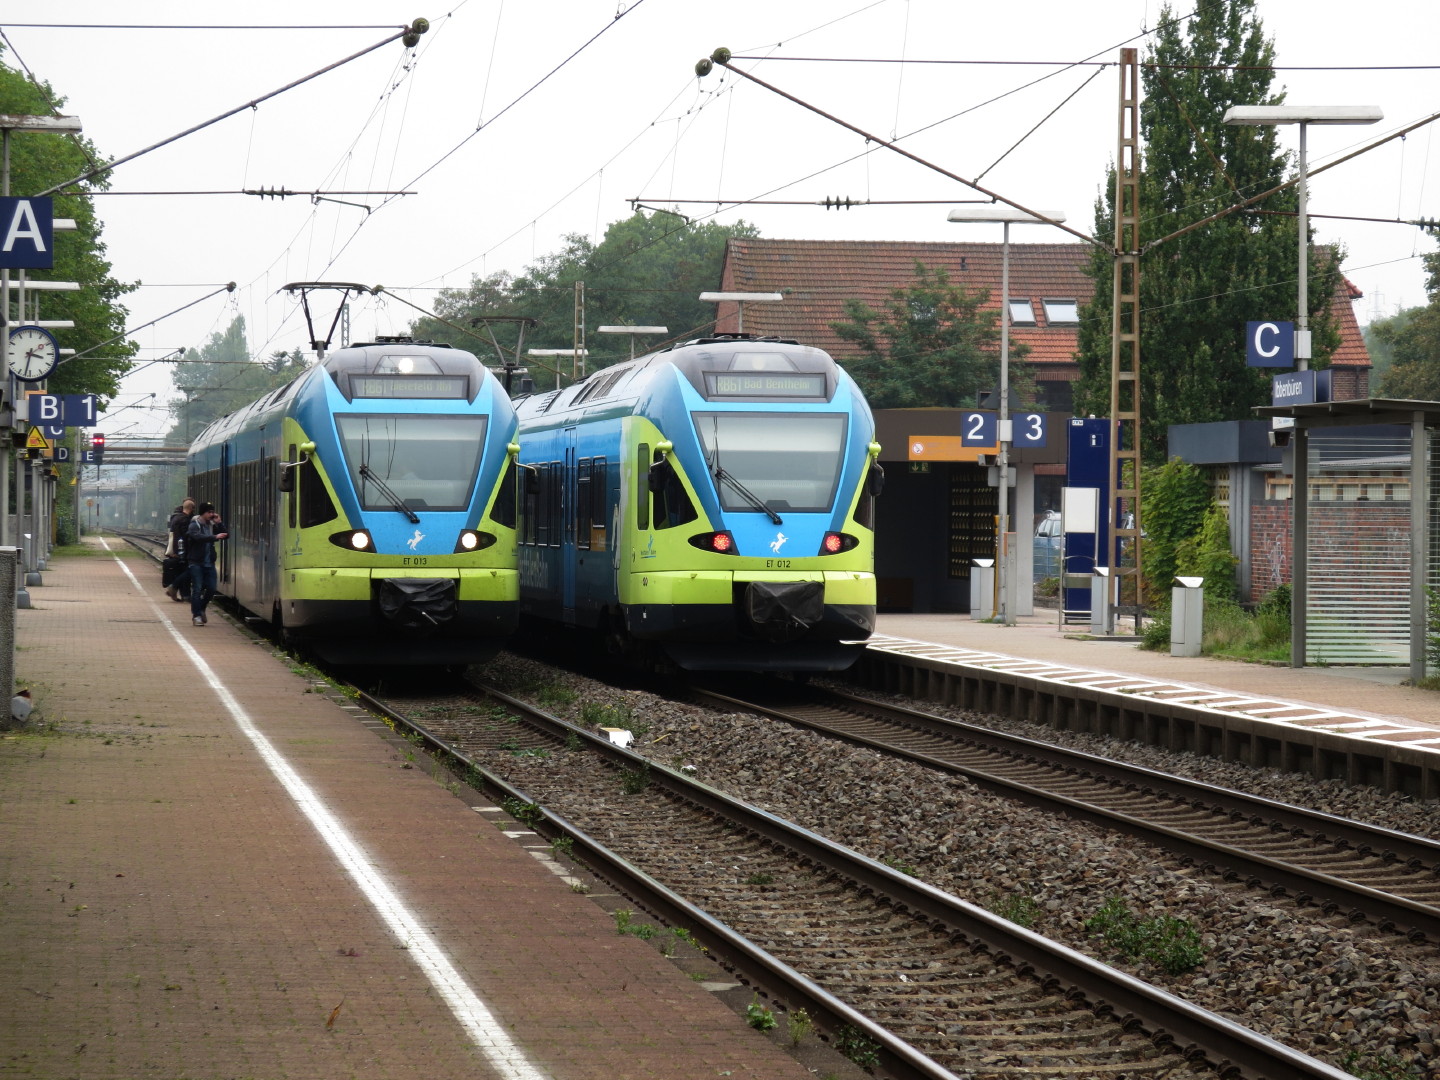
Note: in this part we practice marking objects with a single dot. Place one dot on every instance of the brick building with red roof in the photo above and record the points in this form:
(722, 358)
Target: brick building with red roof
(1048, 284)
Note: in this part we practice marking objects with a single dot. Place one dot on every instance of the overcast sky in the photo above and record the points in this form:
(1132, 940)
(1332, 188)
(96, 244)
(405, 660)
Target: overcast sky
(501, 169)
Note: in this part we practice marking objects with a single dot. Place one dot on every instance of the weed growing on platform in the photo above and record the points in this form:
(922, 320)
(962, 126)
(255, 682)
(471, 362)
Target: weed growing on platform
(1170, 943)
(625, 925)
(760, 1017)
(524, 812)
(798, 1024)
(563, 847)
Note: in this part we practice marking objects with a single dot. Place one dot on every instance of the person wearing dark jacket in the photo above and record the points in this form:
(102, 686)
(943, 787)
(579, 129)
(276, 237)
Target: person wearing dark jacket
(179, 589)
(205, 529)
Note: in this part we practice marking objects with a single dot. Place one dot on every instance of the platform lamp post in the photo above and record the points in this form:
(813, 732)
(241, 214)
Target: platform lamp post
(633, 332)
(1006, 215)
(576, 355)
(1304, 116)
(739, 299)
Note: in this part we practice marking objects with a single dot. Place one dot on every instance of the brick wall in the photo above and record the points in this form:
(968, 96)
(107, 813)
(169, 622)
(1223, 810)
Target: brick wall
(1339, 524)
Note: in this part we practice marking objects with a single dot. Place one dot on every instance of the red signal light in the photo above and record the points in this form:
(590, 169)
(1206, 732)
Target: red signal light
(97, 441)
(832, 542)
(835, 542)
(720, 543)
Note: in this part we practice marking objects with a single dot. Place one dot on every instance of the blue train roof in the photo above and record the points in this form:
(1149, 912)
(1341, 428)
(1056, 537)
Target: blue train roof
(727, 367)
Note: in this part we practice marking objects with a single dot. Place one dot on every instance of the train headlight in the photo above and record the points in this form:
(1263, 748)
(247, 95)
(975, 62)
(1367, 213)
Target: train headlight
(834, 543)
(470, 540)
(720, 543)
(353, 540)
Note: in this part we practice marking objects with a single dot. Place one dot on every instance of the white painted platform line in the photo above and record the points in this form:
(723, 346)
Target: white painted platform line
(483, 1027)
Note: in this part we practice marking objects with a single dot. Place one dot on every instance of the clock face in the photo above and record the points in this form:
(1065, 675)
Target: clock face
(33, 353)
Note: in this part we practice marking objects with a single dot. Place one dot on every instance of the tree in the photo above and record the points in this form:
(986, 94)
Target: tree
(933, 344)
(221, 377)
(648, 271)
(39, 161)
(1413, 341)
(1198, 291)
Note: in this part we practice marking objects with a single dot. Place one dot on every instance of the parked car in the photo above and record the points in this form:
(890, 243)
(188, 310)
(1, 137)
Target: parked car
(1049, 544)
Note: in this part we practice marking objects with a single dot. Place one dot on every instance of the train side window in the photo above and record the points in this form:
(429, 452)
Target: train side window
(672, 503)
(502, 512)
(599, 496)
(315, 505)
(582, 504)
(530, 510)
(542, 504)
(642, 491)
(552, 499)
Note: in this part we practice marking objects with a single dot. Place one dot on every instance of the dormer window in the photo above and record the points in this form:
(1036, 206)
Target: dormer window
(1021, 313)
(1061, 312)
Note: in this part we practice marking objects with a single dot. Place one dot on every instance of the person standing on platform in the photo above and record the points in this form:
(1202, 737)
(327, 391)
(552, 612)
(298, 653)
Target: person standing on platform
(175, 548)
(205, 529)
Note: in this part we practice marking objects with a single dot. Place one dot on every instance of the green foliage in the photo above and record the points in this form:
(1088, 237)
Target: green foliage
(1432, 631)
(760, 1017)
(648, 270)
(1021, 910)
(1380, 1066)
(39, 161)
(1176, 497)
(594, 714)
(221, 376)
(634, 781)
(1222, 274)
(555, 694)
(1207, 554)
(858, 1047)
(1171, 944)
(798, 1024)
(524, 812)
(931, 344)
(1411, 340)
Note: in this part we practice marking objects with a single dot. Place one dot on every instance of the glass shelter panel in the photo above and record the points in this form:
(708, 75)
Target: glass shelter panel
(1358, 557)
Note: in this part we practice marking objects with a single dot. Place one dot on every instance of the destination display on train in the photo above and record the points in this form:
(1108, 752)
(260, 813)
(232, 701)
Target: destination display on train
(410, 386)
(766, 384)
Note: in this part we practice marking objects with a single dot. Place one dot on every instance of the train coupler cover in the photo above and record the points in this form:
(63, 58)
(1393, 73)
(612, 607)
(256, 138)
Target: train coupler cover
(418, 605)
(784, 610)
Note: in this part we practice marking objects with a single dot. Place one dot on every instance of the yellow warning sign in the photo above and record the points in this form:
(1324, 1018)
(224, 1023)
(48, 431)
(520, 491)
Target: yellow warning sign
(37, 440)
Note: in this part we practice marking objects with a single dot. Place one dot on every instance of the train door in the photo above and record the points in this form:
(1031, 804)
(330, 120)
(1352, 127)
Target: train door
(569, 517)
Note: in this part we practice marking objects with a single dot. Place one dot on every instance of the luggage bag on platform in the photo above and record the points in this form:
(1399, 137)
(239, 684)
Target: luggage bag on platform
(170, 569)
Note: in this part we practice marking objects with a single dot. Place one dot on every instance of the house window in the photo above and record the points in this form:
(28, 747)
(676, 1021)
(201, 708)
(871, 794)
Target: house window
(1061, 312)
(1021, 313)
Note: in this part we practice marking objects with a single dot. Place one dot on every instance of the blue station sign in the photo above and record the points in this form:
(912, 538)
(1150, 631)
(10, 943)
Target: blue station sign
(1300, 387)
(1270, 344)
(27, 233)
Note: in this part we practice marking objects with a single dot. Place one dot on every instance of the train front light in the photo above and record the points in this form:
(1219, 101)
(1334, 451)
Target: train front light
(470, 540)
(353, 540)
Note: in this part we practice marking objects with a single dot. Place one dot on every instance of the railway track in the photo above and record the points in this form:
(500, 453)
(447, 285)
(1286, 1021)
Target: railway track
(902, 976)
(1388, 878)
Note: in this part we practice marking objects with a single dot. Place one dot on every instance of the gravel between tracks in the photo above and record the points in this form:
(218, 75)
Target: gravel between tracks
(1347, 994)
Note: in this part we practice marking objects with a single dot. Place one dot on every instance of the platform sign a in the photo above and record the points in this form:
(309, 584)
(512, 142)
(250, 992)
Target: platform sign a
(27, 233)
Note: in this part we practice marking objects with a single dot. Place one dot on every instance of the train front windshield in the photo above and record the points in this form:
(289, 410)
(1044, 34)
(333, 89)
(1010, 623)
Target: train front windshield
(787, 461)
(422, 462)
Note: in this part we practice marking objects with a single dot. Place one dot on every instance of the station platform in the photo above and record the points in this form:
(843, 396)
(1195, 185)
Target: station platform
(1379, 693)
(210, 869)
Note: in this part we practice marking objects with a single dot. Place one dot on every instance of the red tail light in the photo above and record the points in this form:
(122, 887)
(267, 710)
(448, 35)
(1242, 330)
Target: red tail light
(834, 543)
(721, 543)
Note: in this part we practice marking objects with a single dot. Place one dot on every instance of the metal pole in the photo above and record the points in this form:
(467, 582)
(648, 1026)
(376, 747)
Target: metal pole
(1007, 609)
(7, 532)
(1302, 317)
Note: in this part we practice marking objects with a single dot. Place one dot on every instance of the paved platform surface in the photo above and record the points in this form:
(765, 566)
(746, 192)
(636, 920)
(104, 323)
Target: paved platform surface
(208, 870)
(1377, 692)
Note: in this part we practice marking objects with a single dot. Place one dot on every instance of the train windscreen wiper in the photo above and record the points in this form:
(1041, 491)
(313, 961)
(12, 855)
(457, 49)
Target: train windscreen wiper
(746, 494)
(397, 503)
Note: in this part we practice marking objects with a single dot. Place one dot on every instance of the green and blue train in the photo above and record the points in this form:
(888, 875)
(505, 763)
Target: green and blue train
(709, 504)
(371, 506)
